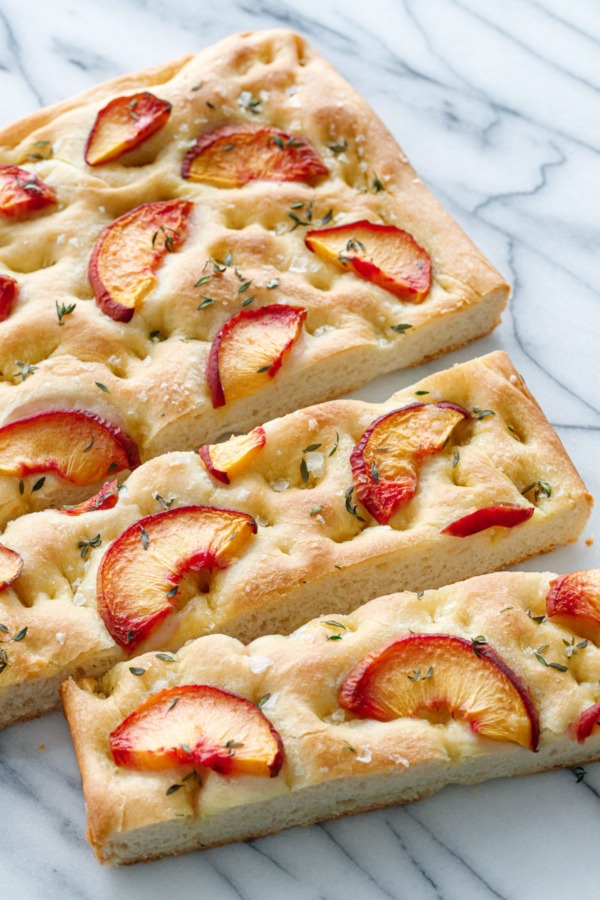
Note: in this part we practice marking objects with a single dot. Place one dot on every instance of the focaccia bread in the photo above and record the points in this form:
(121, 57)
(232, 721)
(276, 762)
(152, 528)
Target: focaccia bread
(389, 704)
(225, 163)
(470, 478)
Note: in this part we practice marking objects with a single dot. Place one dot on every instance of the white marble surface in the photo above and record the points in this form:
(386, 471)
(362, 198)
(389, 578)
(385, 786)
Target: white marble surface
(497, 106)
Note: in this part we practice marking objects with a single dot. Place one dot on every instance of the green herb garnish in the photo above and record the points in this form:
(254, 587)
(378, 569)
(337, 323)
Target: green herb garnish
(64, 309)
(84, 546)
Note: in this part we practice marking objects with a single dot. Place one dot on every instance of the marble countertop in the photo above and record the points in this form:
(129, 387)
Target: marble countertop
(497, 106)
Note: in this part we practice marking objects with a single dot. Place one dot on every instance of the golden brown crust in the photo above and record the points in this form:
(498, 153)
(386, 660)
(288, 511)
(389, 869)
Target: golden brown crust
(301, 563)
(157, 391)
(355, 764)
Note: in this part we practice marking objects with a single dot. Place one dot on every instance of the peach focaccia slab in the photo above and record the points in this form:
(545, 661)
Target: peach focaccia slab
(407, 694)
(170, 238)
(321, 509)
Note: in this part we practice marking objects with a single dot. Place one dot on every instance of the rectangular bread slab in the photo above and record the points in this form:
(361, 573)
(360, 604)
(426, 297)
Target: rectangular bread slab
(153, 367)
(310, 552)
(336, 762)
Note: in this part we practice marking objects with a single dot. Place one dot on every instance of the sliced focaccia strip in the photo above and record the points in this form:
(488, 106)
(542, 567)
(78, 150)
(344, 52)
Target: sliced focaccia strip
(171, 259)
(407, 694)
(316, 545)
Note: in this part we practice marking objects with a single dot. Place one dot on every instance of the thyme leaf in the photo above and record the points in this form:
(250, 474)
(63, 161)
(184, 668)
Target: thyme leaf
(64, 309)
(349, 507)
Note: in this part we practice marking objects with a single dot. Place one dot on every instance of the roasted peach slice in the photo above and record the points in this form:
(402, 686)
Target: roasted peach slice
(429, 674)
(106, 498)
(505, 515)
(249, 350)
(9, 292)
(224, 461)
(198, 725)
(139, 576)
(77, 445)
(386, 460)
(22, 192)
(588, 722)
(130, 250)
(124, 124)
(11, 566)
(382, 254)
(233, 155)
(574, 601)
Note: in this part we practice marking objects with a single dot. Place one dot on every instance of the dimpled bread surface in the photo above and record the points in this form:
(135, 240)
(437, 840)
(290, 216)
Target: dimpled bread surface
(153, 367)
(335, 762)
(300, 562)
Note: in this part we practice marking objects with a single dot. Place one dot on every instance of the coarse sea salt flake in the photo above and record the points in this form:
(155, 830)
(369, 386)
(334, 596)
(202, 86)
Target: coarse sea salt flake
(400, 760)
(299, 264)
(258, 664)
(315, 463)
(271, 701)
(280, 485)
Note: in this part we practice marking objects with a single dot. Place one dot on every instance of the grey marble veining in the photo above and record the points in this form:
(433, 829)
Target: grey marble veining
(497, 105)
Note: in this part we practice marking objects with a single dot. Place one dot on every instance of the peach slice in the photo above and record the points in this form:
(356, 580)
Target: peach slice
(9, 293)
(249, 350)
(382, 254)
(505, 515)
(77, 445)
(130, 250)
(233, 155)
(386, 460)
(198, 725)
(224, 461)
(429, 673)
(106, 498)
(123, 124)
(22, 192)
(11, 566)
(139, 576)
(574, 601)
(587, 722)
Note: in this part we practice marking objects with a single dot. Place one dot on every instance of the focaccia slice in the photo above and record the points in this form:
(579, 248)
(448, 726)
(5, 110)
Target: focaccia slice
(183, 554)
(407, 694)
(164, 235)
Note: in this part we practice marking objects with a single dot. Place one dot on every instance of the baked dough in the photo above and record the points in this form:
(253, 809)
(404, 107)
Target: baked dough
(297, 564)
(335, 763)
(154, 366)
